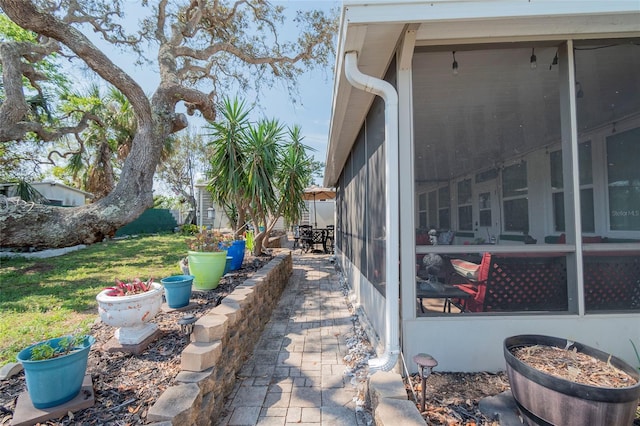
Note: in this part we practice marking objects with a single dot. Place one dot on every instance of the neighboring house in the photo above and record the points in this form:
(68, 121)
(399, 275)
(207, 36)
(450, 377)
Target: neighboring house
(319, 214)
(57, 193)
(212, 214)
(512, 127)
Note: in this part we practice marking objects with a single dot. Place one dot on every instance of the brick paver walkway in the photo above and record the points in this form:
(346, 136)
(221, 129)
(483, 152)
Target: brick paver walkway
(295, 375)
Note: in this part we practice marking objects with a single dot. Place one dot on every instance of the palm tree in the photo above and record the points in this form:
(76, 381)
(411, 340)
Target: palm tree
(263, 156)
(295, 173)
(255, 170)
(104, 145)
(227, 174)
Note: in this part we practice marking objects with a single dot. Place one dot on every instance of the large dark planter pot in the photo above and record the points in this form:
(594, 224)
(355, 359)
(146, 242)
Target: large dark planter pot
(54, 381)
(177, 290)
(548, 400)
(236, 251)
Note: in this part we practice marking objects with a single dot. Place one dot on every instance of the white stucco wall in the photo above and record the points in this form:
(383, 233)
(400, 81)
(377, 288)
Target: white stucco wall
(474, 343)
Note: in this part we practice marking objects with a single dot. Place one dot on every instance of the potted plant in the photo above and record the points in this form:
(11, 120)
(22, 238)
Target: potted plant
(236, 251)
(177, 290)
(54, 369)
(546, 378)
(130, 306)
(207, 257)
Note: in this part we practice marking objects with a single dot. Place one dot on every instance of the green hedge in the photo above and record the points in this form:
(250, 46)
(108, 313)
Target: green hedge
(150, 222)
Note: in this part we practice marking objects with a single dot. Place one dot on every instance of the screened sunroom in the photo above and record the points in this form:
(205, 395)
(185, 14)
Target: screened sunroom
(507, 191)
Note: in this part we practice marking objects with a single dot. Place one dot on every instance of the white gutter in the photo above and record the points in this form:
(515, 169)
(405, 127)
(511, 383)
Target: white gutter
(392, 223)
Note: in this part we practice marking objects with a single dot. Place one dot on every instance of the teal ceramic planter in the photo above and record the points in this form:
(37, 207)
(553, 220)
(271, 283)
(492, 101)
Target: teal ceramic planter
(227, 265)
(207, 268)
(236, 251)
(54, 381)
(177, 290)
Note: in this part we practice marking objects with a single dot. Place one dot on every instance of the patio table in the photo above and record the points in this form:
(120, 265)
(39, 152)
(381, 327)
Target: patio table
(447, 292)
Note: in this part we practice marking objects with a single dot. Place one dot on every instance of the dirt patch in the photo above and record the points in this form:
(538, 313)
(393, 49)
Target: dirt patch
(127, 385)
(452, 398)
(38, 268)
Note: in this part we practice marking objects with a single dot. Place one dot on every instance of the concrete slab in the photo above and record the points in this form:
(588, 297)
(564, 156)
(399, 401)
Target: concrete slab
(165, 308)
(26, 414)
(113, 345)
(503, 407)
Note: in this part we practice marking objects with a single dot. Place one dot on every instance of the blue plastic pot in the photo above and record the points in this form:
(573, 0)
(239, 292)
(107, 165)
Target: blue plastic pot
(227, 266)
(54, 381)
(236, 251)
(177, 290)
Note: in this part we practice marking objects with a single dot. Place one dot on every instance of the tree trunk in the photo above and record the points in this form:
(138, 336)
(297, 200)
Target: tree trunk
(257, 243)
(26, 225)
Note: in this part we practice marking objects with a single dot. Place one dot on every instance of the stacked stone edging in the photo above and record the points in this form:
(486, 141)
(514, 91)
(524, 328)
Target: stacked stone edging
(221, 342)
(389, 403)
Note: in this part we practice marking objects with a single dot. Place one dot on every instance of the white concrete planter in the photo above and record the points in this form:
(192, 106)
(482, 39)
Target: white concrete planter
(131, 314)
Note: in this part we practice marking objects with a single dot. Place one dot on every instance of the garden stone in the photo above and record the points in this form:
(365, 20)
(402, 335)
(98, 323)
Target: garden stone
(10, 370)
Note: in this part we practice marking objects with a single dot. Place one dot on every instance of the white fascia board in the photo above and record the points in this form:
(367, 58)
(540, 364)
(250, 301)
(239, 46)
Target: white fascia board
(523, 29)
(447, 10)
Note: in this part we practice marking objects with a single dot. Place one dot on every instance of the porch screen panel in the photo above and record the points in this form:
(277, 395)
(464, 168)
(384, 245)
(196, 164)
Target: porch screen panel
(358, 205)
(608, 113)
(585, 154)
(376, 200)
(491, 121)
(349, 216)
(623, 156)
(482, 138)
(339, 231)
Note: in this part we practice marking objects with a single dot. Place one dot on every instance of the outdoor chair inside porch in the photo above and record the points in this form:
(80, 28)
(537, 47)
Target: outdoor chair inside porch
(517, 283)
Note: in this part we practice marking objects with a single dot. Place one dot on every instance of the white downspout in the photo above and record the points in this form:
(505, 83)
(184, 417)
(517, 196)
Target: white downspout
(388, 93)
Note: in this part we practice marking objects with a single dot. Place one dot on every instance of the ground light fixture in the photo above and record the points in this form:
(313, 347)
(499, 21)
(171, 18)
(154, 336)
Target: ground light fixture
(186, 323)
(425, 362)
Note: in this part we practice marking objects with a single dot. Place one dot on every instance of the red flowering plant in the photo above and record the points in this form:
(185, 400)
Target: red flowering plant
(136, 286)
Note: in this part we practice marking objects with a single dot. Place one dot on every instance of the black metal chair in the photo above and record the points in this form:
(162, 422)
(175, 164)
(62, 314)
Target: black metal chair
(306, 238)
(330, 238)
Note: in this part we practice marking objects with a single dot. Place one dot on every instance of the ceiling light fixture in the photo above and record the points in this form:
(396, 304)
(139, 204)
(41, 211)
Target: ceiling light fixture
(555, 61)
(454, 66)
(533, 61)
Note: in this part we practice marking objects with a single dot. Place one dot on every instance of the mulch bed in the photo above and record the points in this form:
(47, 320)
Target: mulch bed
(573, 366)
(127, 385)
(452, 398)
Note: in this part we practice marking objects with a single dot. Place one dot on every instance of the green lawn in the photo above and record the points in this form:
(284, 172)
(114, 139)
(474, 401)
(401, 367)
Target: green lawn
(44, 298)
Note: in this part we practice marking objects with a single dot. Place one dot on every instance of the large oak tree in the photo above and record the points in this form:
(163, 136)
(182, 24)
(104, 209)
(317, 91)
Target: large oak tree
(200, 49)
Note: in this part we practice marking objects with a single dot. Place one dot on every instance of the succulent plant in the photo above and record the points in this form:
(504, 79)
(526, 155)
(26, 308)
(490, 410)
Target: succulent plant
(136, 286)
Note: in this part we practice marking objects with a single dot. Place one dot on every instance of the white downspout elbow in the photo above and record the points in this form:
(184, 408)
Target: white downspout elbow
(388, 93)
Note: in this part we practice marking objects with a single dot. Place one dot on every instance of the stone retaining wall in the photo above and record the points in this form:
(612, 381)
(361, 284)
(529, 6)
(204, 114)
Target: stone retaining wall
(276, 242)
(221, 342)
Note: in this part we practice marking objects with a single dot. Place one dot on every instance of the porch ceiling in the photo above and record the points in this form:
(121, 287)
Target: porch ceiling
(375, 29)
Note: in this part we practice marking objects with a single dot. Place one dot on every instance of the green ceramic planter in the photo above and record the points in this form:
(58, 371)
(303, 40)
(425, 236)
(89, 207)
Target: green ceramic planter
(207, 268)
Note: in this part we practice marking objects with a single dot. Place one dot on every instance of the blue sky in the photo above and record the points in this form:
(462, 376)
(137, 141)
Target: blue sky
(312, 109)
